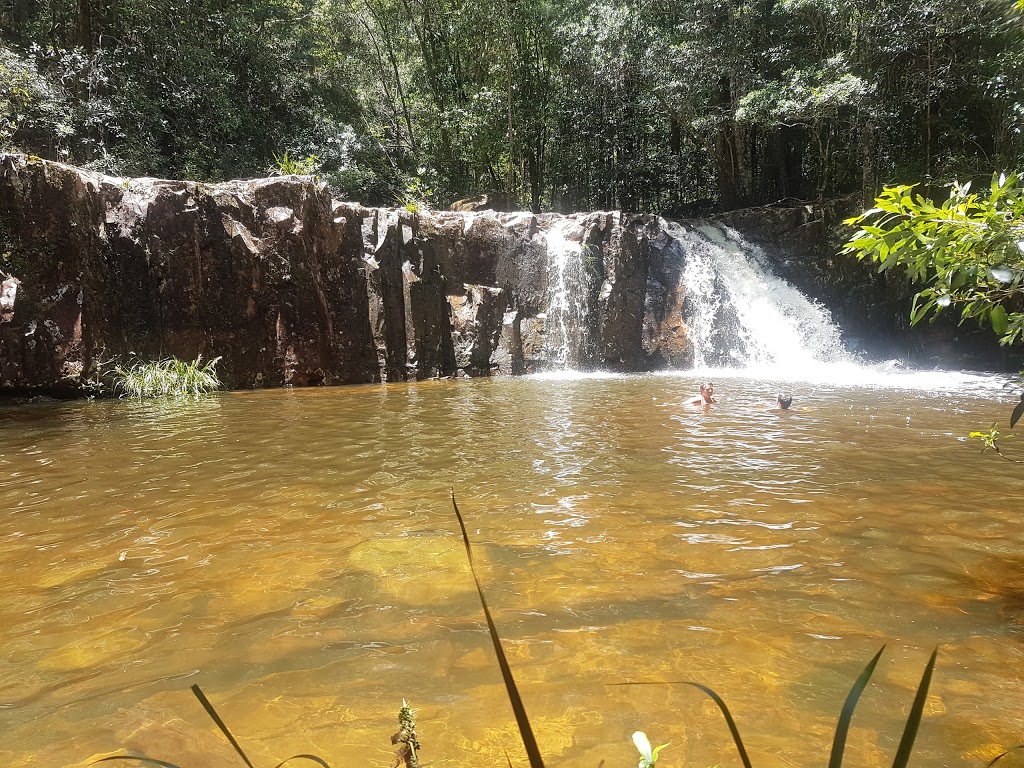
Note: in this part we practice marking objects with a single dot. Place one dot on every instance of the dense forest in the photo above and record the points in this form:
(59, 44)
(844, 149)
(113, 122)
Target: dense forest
(655, 105)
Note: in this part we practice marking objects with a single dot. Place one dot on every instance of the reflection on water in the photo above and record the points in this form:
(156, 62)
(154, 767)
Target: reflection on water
(295, 553)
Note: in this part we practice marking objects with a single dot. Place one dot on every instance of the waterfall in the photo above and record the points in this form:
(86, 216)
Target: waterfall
(739, 314)
(566, 327)
(730, 310)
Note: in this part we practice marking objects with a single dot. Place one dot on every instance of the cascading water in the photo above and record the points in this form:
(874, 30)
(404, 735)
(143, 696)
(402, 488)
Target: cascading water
(566, 335)
(739, 314)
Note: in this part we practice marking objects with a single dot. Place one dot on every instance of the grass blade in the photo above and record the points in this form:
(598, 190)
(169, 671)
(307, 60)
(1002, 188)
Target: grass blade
(525, 731)
(846, 715)
(1000, 757)
(914, 719)
(150, 760)
(220, 723)
(729, 721)
(311, 758)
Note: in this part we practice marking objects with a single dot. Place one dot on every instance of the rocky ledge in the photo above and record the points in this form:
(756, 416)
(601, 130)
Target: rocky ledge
(291, 287)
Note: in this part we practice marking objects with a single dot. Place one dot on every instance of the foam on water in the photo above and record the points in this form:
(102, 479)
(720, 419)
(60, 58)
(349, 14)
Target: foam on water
(568, 374)
(744, 322)
(851, 374)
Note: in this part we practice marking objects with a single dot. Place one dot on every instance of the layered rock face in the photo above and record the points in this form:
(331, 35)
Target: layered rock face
(267, 274)
(290, 287)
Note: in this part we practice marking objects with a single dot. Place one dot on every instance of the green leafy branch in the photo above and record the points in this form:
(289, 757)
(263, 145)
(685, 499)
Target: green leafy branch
(968, 252)
(418, 193)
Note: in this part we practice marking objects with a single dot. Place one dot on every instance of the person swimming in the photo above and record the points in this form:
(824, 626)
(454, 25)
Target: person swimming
(784, 401)
(706, 396)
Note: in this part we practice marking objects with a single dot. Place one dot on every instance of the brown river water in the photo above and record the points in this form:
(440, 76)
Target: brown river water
(295, 553)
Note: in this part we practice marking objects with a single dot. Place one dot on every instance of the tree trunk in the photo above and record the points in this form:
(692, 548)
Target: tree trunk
(536, 182)
(85, 18)
(868, 140)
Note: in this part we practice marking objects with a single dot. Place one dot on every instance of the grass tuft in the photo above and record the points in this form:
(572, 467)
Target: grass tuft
(166, 378)
(906, 745)
(903, 752)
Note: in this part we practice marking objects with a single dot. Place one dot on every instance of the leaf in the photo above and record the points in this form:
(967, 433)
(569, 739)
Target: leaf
(1018, 411)
(1004, 754)
(643, 745)
(721, 705)
(311, 758)
(998, 318)
(914, 719)
(140, 759)
(919, 311)
(846, 714)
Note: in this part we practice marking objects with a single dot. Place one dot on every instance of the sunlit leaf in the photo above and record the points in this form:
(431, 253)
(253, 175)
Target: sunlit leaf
(643, 745)
(999, 319)
(1002, 274)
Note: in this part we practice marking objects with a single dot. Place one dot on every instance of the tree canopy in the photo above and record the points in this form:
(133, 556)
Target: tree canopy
(569, 105)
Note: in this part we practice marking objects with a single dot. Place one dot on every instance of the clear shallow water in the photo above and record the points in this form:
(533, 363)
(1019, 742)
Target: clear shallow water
(295, 554)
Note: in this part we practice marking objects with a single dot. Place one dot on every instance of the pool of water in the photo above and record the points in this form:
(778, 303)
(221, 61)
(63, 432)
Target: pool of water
(295, 553)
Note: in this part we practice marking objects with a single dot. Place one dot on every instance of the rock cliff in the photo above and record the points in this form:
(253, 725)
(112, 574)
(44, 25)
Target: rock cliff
(291, 287)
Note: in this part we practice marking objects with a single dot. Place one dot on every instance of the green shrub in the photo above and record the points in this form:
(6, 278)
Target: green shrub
(287, 166)
(166, 378)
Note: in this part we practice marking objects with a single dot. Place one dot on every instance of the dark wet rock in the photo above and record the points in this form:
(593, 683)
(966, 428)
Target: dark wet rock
(478, 320)
(623, 296)
(430, 317)
(264, 273)
(290, 287)
(665, 338)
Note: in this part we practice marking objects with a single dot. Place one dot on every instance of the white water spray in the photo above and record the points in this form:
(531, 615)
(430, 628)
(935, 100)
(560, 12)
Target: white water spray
(565, 329)
(739, 314)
